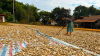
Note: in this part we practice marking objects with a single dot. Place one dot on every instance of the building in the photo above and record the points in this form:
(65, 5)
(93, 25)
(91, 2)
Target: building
(2, 17)
(88, 22)
(53, 22)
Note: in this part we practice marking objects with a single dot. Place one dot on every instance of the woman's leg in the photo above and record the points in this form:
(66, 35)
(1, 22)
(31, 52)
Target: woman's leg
(70, 34)
(66, 33)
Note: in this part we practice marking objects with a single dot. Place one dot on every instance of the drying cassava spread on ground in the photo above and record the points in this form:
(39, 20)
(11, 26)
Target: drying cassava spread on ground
(85, 39)
(23, 41)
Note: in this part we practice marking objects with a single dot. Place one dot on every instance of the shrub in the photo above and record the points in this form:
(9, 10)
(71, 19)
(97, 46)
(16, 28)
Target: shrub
(24, 21)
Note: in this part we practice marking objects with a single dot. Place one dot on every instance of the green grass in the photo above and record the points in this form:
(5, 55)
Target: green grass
(5, 23)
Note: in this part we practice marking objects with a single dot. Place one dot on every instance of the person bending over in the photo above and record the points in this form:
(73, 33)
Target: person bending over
(69, 23)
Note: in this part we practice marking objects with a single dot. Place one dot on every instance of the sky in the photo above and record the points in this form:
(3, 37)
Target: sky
(49, 5)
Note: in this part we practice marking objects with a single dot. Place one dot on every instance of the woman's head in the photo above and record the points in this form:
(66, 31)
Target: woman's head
(62, 17)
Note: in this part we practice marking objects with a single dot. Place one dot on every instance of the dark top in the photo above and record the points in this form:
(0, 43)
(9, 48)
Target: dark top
(67, 20)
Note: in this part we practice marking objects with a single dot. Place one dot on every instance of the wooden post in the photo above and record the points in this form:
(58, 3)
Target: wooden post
(13, 12)
(91, 24)
(84, 24)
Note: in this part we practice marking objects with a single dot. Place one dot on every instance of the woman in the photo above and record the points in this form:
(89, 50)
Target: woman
(69, 26)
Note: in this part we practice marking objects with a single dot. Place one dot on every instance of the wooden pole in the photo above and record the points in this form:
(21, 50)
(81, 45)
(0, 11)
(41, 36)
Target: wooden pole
(91, 24)
(13, 12)
(84, 24)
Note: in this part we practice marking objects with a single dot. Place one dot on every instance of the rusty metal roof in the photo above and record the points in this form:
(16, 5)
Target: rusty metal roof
(85, 20)
(2, 14)
(89, 19)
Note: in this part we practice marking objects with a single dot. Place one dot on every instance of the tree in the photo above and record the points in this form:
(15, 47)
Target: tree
(31, 11)
(20, 13)
(91, 10)
(97, 12)
(44, 15)
(85, 11)
(80, 11)
(1, 11)
(1, 4)
(58, 12)
(28, 10)
(9, 16)
(34, 14)
(6, 5)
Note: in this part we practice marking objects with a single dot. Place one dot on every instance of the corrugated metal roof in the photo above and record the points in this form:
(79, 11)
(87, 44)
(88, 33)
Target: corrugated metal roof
(89, 19)
(86, 20)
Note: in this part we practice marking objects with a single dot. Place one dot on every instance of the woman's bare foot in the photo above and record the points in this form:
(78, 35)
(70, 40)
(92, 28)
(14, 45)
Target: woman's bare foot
(65, 34)
(69, 35)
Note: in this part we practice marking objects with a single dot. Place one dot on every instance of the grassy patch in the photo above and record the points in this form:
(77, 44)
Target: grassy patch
(5, 23)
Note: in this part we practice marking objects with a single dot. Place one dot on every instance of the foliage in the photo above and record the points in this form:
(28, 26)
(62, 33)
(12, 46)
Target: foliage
(22, 11)
(24, 21)
(58, 12)
(91, 10)
(1, 11)
(45, 16)
(80, 11)
(9, 16)
(40, 22)
(97, 12)
(85, 11)
(31, 11)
